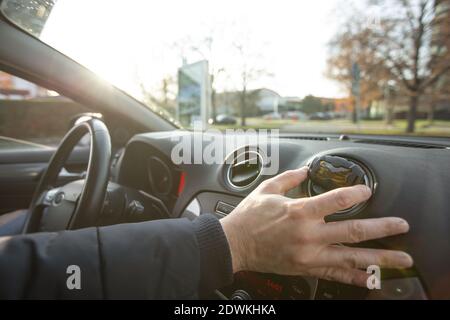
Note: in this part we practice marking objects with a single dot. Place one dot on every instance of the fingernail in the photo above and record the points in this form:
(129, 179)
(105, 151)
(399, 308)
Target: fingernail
(407, 260)
(403, 224)
(366, 191)
(303, 170)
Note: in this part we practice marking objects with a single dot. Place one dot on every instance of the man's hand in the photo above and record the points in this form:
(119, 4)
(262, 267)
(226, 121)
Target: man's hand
(271, 233)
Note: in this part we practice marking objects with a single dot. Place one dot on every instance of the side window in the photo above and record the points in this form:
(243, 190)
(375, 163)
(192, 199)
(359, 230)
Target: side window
(32, 116)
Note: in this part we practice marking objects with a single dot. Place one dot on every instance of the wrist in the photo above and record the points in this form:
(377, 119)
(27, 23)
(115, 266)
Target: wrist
(214, 253)
(236, 245)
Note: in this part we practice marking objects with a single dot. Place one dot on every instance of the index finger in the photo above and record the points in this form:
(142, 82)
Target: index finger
(284, 182)
(336, 200)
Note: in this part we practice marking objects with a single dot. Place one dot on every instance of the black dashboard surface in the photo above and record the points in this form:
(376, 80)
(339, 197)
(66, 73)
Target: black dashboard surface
(413, 182)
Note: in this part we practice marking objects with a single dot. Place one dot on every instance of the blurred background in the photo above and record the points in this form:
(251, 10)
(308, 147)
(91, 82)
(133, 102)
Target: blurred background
(330, 66)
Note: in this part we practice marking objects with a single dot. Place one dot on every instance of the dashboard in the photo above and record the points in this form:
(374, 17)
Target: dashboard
(410, 179)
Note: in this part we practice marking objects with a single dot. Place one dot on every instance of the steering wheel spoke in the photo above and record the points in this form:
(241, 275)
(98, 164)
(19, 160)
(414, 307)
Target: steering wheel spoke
(77, 204)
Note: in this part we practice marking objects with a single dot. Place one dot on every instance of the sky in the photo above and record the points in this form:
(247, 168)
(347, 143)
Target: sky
(140, 41)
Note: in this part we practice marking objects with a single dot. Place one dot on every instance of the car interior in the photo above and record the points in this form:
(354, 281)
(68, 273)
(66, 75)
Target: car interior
(125, 173)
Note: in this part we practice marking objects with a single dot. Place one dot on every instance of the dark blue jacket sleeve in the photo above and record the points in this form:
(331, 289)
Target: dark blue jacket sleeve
(167, 259)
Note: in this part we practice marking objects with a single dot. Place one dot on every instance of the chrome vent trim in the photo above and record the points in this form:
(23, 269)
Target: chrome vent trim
(239, 160)
(369, 180)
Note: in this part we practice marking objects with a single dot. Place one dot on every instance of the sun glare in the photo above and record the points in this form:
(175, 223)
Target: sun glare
(134, 42)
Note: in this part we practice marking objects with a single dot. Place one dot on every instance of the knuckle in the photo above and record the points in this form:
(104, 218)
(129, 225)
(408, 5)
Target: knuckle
(384, 259)
(302, 260)
(304, 237)
(352, 260)
(268, 202)
(331, 274)
(265, 185)
(293, 217)
(289, 174)
(300, 205)
(345, 277)
(309, 207)
(327, 274)
(356, 232)
(291, 210)
(293, 260)
(288, 207)
(390, 227)
(343, 199)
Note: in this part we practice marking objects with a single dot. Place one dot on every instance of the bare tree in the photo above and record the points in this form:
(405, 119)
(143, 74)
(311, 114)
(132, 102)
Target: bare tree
(162, 96)
(403, 43)
(249, 72)
(159, 97)
(350, 46)
(244, 71)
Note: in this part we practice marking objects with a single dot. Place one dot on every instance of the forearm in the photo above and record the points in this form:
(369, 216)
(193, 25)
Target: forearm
(35, 265)
(171, 259)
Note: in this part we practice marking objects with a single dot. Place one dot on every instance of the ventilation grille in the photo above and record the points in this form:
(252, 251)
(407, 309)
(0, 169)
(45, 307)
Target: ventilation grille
(402, 144)
(245, 168)
(307, 138)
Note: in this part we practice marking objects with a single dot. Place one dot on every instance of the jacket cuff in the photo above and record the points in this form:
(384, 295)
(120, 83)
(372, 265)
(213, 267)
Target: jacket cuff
(216, 270)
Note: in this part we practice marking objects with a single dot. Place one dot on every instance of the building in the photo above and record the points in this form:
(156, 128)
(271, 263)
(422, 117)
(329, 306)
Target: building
(440, 46)
(441, 28)
(14, 88)
(290, 104)
(259, 102)
(266, 100)
(344, 105)
(339, 105)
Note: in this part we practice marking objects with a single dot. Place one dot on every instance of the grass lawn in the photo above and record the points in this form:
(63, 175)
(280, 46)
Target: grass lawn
(439, 128)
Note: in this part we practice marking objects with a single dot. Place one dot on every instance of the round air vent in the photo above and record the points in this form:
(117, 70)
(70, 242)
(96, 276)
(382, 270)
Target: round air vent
(243, 167)
(327, 173)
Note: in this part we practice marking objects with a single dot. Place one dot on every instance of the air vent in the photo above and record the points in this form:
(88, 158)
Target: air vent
(331, 172)
(244, 168)
(312, 138)
(402, 144)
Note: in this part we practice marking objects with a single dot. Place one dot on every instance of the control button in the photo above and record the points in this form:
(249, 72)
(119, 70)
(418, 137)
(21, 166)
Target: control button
(50, 196)
(327, 290)
(108, 209)
(58, 198)
(224, 208)
(399, 289)
(296, 289)
(241, 295)
(135, 208)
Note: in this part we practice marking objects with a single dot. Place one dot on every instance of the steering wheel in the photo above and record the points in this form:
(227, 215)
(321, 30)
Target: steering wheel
(76, 204)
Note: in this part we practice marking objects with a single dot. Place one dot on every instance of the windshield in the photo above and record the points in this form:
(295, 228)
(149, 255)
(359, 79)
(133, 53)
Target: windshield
(334, 66)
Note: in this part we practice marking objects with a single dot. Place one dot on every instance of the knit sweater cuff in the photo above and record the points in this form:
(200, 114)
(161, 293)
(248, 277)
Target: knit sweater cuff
(216, 269)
